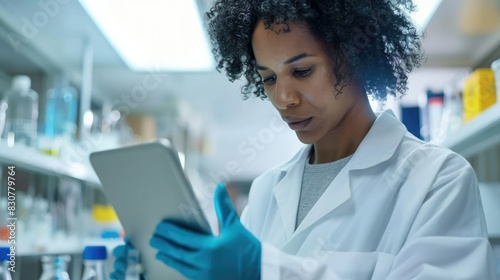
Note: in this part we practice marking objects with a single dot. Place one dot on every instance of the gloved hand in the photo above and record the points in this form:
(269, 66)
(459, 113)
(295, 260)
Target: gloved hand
(234, 254)
(120, 266)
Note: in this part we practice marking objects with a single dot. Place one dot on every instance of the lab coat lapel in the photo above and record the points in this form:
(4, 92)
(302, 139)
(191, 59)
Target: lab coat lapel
(287, 193)
(336, 194)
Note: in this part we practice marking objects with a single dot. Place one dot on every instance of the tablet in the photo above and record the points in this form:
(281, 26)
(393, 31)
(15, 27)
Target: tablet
(145, 184)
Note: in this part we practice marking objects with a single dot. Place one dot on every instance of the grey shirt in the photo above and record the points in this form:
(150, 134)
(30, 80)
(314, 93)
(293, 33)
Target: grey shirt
(316, 179)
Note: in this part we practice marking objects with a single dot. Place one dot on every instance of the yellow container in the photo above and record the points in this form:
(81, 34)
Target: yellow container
(104, 213)
(479, 93)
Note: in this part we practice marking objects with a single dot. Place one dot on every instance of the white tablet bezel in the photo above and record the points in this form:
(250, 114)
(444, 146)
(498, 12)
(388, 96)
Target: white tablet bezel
(145, 183)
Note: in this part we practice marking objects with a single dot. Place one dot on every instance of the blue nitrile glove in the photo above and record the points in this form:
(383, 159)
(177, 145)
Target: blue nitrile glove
(120, 266)
(234, 254)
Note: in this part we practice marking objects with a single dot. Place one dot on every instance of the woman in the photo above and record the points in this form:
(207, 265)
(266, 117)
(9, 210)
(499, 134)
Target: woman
(364, 199)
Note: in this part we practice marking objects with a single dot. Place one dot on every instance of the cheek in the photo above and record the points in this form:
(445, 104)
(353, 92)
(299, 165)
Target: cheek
(321, 94)
(270, 98)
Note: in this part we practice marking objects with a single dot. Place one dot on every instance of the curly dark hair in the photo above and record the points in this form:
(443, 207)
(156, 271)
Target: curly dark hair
(374, 38)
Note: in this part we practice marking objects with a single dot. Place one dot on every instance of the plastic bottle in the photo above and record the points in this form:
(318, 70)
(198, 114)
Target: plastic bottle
(4, 264)
(435, 102)
(133, 271)
(60, 114)
(106, 223)
(4, 230)
(42, 223)
(19, 113)
(94, 259)
(55, 268)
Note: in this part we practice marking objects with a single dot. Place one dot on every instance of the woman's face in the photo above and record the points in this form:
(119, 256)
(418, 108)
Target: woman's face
(298, 80)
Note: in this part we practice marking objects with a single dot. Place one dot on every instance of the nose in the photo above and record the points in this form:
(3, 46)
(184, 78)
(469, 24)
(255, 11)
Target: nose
(286, 95)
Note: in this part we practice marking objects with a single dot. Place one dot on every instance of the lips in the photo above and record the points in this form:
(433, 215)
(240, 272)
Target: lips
(298, 123)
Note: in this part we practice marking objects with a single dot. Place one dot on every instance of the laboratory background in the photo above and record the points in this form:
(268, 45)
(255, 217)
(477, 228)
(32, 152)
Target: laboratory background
(79, 76)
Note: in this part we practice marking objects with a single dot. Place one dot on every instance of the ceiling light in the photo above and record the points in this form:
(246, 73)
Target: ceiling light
(155, 35)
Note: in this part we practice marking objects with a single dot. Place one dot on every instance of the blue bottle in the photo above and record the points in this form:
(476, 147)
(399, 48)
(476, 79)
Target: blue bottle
(4, 264)
(61, 110)
(94, 260)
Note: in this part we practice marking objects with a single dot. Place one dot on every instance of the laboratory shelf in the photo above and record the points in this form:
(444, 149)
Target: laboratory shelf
(479, 134)
(62, 246)
(31, 160)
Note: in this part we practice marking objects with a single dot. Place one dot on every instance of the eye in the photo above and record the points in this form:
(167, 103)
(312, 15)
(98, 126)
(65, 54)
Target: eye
(270, 80)
(302, 72)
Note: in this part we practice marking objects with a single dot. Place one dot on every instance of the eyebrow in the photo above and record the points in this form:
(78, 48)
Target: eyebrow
(288, 61)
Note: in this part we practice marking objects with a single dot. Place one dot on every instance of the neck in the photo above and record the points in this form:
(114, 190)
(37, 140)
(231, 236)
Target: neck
(345, 139)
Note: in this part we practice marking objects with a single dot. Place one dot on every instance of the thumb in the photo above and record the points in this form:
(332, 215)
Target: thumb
(223, 207)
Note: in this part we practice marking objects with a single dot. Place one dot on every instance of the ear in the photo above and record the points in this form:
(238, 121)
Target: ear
(224, 208)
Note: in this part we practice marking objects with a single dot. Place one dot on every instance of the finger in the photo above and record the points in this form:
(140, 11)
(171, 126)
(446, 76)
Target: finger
(175, 251)
(117, 275)
(224, 207)
(128, 242)
(120, 264)
(181, 236)
(120, 251)
(184, 268)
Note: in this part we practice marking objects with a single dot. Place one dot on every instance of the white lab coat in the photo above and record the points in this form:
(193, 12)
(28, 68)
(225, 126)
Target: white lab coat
(400, 209)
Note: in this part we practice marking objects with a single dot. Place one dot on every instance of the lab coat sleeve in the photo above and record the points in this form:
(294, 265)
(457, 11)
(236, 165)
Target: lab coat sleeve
(244, 218)
(447, 240)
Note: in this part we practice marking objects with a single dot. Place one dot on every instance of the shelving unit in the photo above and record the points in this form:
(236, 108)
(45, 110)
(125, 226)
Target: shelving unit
(65, 246)
(32, 160)
(479, 134)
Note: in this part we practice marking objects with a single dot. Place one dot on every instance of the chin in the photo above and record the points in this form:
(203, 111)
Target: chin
(306, 139)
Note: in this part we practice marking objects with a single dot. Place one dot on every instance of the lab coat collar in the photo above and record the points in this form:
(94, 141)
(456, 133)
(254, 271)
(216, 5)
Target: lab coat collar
(379, 145)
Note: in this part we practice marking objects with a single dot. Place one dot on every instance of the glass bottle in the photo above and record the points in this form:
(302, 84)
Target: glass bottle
(4, 263)
(55, 267)
(19, 113)
(94, 260)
